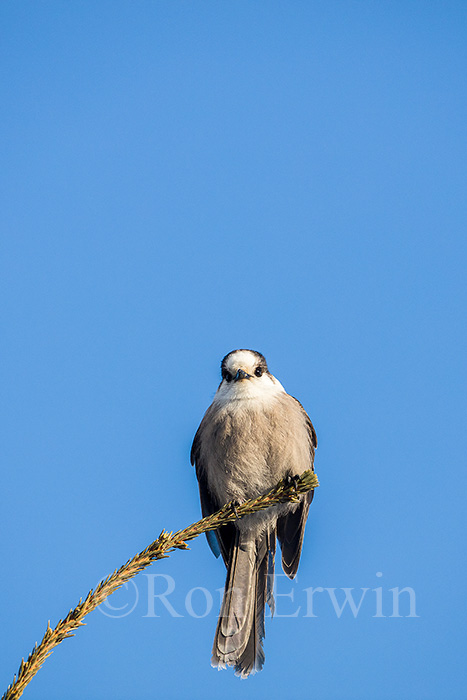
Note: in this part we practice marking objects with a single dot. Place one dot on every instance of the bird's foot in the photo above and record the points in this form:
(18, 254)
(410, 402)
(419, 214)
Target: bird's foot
(292, 480)
(233, 506)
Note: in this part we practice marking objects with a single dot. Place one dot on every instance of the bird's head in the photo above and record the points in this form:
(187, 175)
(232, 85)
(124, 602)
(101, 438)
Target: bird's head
(245, 374)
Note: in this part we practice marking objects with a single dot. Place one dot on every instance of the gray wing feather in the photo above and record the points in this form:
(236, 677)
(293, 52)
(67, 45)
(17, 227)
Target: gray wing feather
(220, 541)
(290, 532)
(291, 527)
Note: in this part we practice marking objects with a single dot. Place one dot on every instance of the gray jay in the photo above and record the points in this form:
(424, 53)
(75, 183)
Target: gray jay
(251, 436)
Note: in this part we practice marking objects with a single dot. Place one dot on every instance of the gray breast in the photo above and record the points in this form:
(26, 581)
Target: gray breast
(246, 446)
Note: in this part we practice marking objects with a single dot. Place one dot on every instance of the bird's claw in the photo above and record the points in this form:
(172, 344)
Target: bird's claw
(293, 480)
(233, 507)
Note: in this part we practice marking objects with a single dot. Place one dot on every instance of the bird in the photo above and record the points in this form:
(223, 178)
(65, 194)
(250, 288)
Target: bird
(252, 435)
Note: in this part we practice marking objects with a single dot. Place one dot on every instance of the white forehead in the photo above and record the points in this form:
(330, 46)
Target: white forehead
(241, 359)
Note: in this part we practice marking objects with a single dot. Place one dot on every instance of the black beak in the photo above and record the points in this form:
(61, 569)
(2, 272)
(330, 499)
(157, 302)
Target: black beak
(241, 375)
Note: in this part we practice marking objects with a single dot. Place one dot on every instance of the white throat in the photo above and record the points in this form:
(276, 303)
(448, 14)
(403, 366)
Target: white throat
(263, 389)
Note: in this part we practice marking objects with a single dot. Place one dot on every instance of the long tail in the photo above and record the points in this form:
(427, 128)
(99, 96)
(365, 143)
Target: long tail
(249, 583)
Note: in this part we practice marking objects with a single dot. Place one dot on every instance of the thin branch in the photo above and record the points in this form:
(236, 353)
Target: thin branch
(159, 549)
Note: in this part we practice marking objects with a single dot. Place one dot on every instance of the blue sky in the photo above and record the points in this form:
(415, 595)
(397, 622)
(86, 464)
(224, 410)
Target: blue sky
(180, 179)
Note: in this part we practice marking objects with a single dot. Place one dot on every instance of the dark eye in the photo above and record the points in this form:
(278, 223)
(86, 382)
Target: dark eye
(227, 376)
(258, 371)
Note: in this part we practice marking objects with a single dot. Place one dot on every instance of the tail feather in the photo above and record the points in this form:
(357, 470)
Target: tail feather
(253, 657)
(237, 610)
(240, 629)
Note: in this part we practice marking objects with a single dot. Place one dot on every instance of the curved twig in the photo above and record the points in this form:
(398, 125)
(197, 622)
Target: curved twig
(159, 549)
